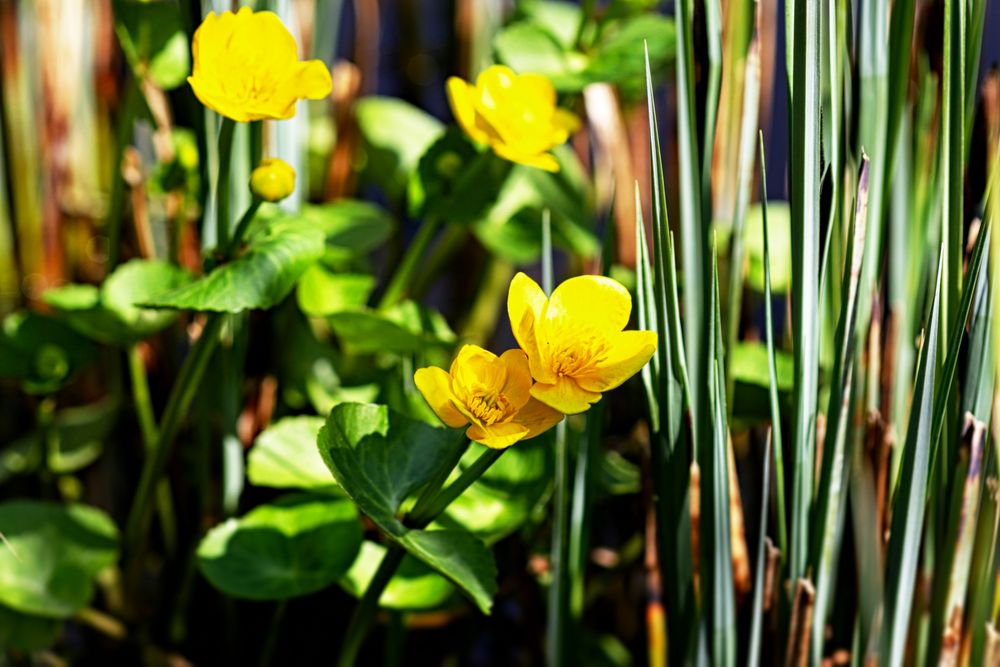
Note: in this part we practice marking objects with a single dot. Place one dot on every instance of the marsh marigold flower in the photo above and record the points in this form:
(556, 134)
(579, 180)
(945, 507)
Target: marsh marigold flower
(246, 67)
(272, 180)
(492, 394)
(574, 340)
(515, 114)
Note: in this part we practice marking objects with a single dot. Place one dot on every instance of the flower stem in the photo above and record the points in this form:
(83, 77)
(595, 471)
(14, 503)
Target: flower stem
(181, 395)
(147, 427)
(222, 222)
(403, 277)
(241, 228)
(424, 512)
(364, 613)
(558, 588)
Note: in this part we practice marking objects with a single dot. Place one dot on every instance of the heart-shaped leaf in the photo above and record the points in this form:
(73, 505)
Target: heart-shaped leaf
(52, 555)
(415, 586)
(285, 456)
(296, 545)
(277, 255)
(323, 292)
(380, 458)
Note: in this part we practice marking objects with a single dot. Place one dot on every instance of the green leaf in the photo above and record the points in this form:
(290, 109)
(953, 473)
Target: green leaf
(749, 365)
(559, 18)
(352, 228)
(153, 39)
(454, 181)
(284, 456)
(52, 555)
(297, 545)
(25, 632)
(529, 48)
(380, 458)
(323, 292)
(41, 352)
(278, 254)
(109, 314)
(406, 327)
(779, 245)
(396, 134)
(414, 587)
(619, 59)
(502, 500)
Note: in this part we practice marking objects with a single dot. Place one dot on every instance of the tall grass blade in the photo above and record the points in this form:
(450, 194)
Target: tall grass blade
(757, 606)
(908, 502)
(772, 370)
(805, 144)
(832, 484)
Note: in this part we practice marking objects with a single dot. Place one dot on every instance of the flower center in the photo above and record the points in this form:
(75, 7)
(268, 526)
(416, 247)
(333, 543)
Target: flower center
(573, 359)
(490, 408)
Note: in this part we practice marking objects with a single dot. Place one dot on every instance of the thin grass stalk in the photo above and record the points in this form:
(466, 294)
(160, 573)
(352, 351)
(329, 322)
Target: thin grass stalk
(772, 370)
(805, 144)
(757, 605)
(832, 485)
(902, 559)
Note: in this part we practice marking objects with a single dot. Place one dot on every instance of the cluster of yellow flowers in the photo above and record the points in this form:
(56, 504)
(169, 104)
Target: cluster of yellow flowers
(572, 345)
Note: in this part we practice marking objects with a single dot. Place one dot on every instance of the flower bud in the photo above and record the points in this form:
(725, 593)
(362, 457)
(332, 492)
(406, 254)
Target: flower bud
(272, 180)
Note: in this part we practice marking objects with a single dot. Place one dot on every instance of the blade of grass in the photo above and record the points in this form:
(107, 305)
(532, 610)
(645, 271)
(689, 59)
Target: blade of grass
(830, 496)
(805, 144)
(716, 547)
(772, 370)
(757, 606)
(908, 502)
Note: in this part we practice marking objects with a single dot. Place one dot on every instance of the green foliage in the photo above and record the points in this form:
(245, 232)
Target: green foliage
(41, 352)
(414, 587)
(153, 39)
(284, 456)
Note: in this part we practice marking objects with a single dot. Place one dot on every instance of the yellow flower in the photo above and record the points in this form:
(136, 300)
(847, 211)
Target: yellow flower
(491, 392)
(575, 344)
(246, 67)
(272, 180)
(515, 114)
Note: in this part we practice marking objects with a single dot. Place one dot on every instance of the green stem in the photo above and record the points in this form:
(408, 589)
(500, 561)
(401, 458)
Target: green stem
(452, 238)
(424, 512)
(183, 392)
(558, 590)
(440, 503)
(403, 278)
(241, 228)
(147, 428)
(222, 223)
(364, 614)
(433, 488)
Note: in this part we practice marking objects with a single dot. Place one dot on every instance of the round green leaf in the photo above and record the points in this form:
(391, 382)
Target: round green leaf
(294, 546)
(414, 586)
(285, 456)
(529, 48)
(396, 134)
(53, 554)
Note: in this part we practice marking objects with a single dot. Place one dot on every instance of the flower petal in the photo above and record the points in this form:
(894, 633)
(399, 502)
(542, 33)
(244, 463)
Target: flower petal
(586, 304)
(544, 161)
(629, 352)
(525, 304)
(517, 389)
(461, 97)
(565, 395)
(538, 417)
(435, 386)
(475, 368)
(313, 80)
(497, 436)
